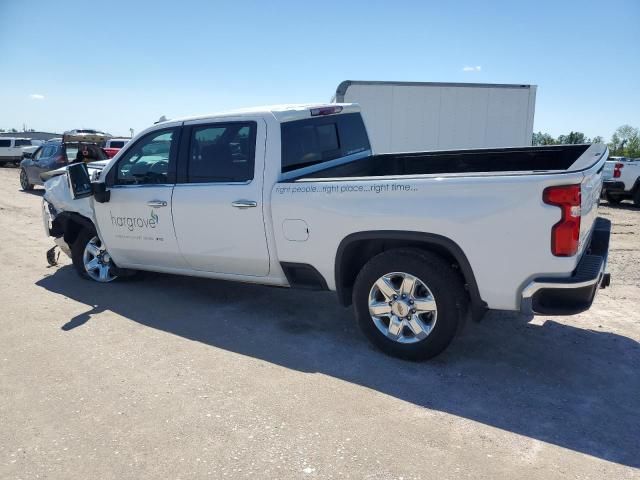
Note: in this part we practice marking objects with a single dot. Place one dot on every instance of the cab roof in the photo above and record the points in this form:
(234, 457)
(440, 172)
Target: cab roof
(282, 113)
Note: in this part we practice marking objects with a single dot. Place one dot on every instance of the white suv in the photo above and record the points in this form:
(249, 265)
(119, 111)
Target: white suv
(11, 149)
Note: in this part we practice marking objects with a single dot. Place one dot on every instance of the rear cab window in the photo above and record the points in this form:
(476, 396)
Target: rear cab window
(316, 140)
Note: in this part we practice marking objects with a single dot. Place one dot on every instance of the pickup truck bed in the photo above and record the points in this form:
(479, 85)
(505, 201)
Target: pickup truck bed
(503, 160)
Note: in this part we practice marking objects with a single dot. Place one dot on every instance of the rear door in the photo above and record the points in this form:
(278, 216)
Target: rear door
(15, 150)
(217, 201)
(136, 224)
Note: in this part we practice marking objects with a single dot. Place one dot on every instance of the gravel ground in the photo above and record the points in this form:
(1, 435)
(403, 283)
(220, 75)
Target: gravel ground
(172, 377)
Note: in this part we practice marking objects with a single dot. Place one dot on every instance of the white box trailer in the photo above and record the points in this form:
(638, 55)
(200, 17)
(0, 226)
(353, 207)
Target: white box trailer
(418, 116)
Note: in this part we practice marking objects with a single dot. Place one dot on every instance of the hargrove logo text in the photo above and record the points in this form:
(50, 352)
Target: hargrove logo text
(135, 222)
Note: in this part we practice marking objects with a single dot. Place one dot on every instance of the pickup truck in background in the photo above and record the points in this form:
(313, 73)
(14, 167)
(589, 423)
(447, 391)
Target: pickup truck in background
(293, 196)
(622, 180)
(114, 145)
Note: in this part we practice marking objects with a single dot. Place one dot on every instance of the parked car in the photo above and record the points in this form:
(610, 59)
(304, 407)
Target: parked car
(293, 196)
(113, 146)
(622, 180)
(12, 149)
(53, 155)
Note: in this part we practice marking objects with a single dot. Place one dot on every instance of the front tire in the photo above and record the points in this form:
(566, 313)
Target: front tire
(91, 259)
(24, 181)
(409, 303)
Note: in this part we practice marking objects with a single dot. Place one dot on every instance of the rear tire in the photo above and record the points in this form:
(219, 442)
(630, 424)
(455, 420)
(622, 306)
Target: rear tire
(636, 197)
(24, 181)
(437, 303)
(612, 199)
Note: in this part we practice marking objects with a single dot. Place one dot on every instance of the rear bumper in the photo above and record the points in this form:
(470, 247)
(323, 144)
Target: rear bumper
(575, 294)
(612, 187)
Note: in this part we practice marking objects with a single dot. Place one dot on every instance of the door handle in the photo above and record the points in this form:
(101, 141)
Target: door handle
(157, 203)
(244, 204)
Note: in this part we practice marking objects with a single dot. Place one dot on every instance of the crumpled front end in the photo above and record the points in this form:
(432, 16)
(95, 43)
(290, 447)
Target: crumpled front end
(58, 207)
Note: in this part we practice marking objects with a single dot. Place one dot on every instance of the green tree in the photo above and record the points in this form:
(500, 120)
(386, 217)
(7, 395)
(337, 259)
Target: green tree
(573, 138)
(543, 139)
(633, 147)
(614, 145)
(597, 139)
(625, 141)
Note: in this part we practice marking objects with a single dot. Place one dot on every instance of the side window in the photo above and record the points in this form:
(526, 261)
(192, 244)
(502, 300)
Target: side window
(222, 152)
(5, 143)
(38, 153)
(48, 151)
(148, 161)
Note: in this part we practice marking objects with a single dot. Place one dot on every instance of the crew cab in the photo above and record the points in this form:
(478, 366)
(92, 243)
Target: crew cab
(622, 180)
(293, 196)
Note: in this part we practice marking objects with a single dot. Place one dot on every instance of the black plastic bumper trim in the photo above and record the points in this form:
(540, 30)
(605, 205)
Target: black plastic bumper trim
(575, 294)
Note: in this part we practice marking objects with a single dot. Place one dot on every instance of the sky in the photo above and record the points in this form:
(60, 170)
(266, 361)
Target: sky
(118, 65)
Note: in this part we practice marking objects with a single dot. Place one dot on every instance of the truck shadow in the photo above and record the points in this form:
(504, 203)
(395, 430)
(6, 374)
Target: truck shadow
(567, 386)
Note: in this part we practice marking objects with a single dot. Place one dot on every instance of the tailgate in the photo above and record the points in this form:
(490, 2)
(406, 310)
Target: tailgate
(607, 173)
(590, 198)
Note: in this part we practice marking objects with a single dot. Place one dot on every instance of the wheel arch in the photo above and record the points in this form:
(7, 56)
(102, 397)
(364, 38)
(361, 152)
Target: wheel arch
(69, 225)
(358, 248)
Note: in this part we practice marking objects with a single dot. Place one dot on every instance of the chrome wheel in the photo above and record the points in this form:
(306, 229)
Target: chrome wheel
(97, 261)
(402, 307)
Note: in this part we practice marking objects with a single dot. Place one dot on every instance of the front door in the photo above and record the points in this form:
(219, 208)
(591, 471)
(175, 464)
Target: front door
(136, 223)
(42, 162)
(30, 166)
(217, 201)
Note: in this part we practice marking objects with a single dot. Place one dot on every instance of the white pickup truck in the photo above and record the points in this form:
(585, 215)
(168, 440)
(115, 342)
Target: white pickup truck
(293, 196)
(622, 180)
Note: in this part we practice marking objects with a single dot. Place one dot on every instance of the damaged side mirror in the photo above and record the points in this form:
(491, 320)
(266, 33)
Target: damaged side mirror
(81, 185)
(79, 181)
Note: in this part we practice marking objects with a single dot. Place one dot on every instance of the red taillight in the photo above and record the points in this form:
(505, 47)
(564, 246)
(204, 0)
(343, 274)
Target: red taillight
(325, 110)
(616, 170)
(565, 234)
(61, 159)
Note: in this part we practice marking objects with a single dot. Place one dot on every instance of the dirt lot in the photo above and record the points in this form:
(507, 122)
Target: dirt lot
(171, 377)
